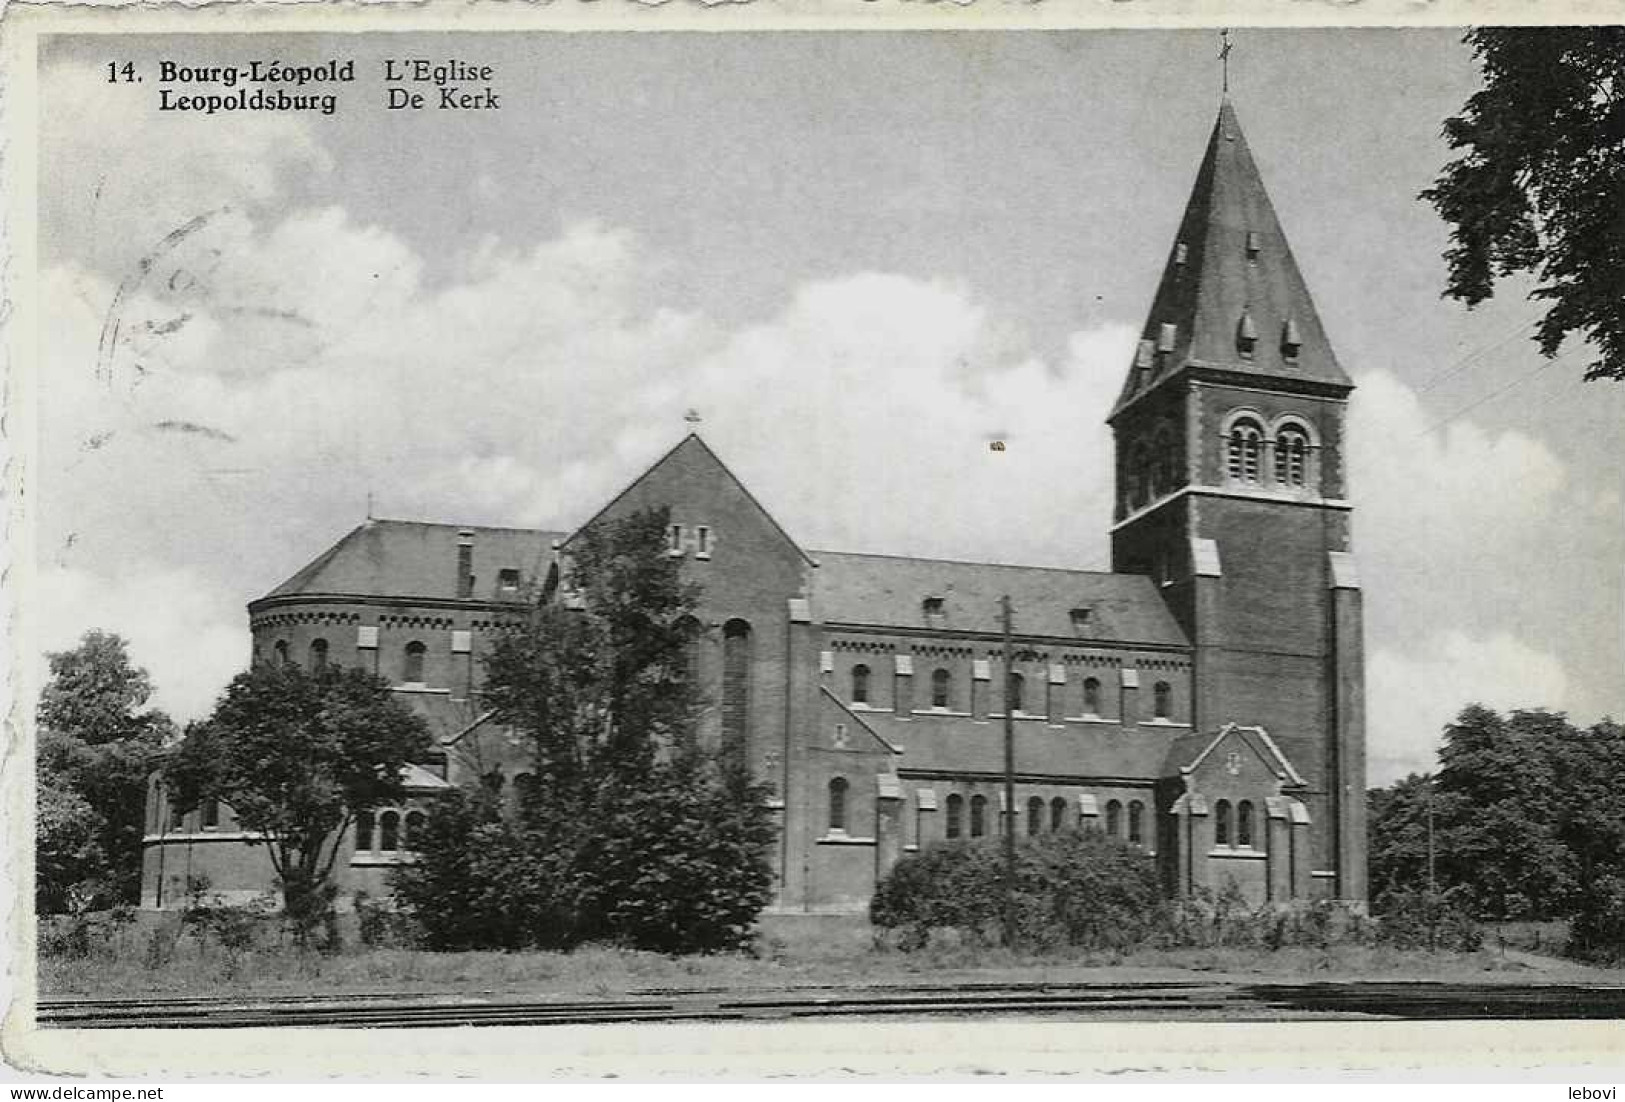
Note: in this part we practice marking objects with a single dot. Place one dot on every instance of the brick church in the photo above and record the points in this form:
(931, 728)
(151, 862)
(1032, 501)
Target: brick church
(1203, 701)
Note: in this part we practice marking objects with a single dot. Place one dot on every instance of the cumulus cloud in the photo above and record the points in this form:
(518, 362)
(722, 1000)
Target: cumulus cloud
(181, 628)
(1415, 690)
(862, 416)
(311, 362)
(124, 176)
(1452, 491)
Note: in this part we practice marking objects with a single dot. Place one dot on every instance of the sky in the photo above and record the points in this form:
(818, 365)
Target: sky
(858, 257)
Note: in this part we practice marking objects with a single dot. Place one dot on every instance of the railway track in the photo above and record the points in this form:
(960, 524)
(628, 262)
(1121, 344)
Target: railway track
(1121, 1001)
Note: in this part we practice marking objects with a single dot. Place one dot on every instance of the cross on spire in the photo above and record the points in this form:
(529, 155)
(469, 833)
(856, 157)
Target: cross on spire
(1225, 46)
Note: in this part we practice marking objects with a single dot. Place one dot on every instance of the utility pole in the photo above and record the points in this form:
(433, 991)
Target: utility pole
(1009, 785)
(1432, 886)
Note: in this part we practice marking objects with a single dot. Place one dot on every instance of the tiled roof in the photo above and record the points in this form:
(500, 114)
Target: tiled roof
(887, 591)
(1231, 261)
(405, 559)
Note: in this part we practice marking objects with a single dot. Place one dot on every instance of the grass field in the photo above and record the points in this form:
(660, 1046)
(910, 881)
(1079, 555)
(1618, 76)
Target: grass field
(147, 958)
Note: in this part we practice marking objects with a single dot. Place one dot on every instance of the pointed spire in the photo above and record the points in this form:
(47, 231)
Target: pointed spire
(1230, 276)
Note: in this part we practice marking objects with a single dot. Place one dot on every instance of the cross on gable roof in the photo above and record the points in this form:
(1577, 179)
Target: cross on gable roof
(1255, 739)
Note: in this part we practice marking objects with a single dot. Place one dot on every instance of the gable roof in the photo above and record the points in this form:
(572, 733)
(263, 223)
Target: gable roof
(403, 559)
(1213, 279)
(888, 591)
(1255, 738)
(692, 449)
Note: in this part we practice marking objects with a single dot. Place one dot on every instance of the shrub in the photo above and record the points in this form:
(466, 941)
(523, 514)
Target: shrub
(676, 864)
(1076, 888)
(1420, 919)
(84, 933)
(481, 881)
(233, 928)
(381, 924)
(1597, 931)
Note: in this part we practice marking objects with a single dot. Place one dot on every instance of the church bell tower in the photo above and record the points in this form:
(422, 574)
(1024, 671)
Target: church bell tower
(1231, 492)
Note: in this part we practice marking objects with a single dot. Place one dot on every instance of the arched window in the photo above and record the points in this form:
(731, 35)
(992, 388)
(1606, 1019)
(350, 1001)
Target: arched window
(1244, 451)
(1291, 456)
(1035, 815)
(389, 831)
(956, 815)
(688, 629)
(837, 804)
(736, 651)
(177, 817)
(860, 684)
(1163, 700)
(210, 813)
(1221, 823)
(414, 830)
(318, 654)
(940, 681)
(363, 831)
(1016, 692)
(978, 816)
(1136, 822)
(1244, 823)
(1114, 818)
(279, 653)
(412, 669)
(1091, 696)
(1057, 813)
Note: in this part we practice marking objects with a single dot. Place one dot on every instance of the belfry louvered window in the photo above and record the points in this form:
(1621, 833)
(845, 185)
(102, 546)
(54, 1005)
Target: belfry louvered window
(1291, 456)
(1244, 451)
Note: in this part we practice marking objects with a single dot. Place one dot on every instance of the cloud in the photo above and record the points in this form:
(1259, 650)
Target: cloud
(124, 175)
(1430, 482)
(862, 415)
(182, 629)
(310, 362)
(1413, 692)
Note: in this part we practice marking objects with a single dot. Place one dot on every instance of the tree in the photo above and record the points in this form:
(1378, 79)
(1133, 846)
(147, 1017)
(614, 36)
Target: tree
(69, 863)
(1499, 795)
(631, 831)
(1399, 828)
(1539, 187)
(95, 749)
(297, 755)
(597, 677)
